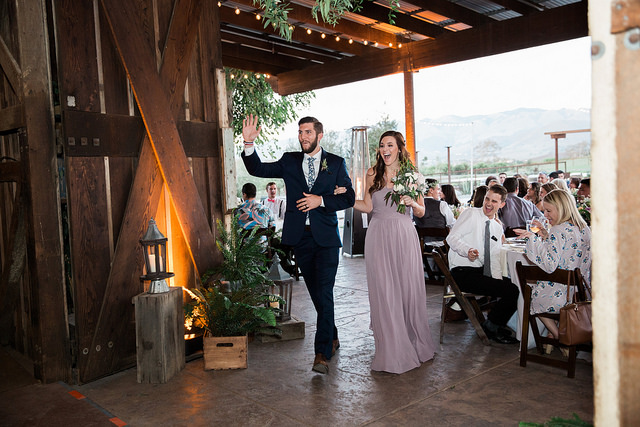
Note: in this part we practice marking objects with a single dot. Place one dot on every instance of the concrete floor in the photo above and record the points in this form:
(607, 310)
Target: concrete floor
(466, 384)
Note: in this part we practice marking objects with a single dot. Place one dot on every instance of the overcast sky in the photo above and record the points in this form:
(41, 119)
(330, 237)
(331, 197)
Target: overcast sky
(549, 77)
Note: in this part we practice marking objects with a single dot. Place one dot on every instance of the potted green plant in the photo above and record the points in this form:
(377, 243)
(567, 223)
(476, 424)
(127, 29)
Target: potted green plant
(228, 314)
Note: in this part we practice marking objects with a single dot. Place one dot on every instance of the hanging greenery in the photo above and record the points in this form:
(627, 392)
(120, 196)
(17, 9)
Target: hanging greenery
(276, 13)
(252, 94)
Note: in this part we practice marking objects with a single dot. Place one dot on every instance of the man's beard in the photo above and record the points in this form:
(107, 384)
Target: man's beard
(312, 146)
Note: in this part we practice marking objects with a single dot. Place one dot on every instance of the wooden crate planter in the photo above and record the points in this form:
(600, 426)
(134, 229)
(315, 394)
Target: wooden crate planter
(225, 352)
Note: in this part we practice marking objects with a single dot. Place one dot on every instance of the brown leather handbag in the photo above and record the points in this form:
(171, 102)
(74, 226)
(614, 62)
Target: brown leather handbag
(575, 318)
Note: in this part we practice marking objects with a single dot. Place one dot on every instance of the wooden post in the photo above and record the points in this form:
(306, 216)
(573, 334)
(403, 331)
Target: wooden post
(159, 335)
(409, 115)
(50, 335)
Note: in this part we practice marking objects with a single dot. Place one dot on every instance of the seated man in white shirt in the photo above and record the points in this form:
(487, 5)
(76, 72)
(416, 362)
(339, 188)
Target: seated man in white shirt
(437, 213)
(474, 260)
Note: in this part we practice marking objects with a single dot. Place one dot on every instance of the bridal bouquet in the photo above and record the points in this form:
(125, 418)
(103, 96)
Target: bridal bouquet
(408, 182)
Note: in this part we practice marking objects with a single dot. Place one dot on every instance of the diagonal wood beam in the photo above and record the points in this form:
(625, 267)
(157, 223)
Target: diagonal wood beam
(539, 28)
(11, 67)
(147, 185)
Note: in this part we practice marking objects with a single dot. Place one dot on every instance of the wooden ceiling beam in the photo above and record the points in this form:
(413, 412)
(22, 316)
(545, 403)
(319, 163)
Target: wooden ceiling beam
(247, 20)
(408, 23)
(299, 13)
(453, 11)
(265, 45)
(251, 54)
(253, 66)
(539, 28)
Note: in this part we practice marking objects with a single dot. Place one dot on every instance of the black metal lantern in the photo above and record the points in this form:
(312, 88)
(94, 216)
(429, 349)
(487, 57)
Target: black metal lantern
(154, 249)
(283, 287)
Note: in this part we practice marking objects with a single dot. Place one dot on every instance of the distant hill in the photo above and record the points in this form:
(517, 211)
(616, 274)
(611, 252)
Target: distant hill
(519, 135)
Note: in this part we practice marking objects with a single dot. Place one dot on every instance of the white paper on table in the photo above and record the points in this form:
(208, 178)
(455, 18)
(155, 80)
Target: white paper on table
(365, 220)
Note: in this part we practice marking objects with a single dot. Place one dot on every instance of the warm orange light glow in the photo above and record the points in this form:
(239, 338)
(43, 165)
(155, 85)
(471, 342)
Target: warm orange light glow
(350, 41)
(376, 44)
(219, 4)
(399, 45)
(323, 35)
(390, 44)
(258, 17)
(366, 42)
(337, 38)
(237, 11)
(308, 30)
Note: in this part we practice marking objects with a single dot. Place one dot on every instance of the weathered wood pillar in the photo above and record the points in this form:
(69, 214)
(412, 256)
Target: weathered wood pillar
(409, 115)
(615, 128)
(50, 337)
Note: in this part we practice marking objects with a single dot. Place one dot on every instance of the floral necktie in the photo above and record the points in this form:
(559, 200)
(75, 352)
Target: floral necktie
(311, 175)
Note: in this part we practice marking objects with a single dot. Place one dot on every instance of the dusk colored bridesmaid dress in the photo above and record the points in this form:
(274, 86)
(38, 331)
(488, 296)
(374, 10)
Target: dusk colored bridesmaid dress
(397, 295)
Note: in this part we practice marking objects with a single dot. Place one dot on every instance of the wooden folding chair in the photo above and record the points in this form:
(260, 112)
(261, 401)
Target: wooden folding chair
(433, 277)
(467, 301)
(531, 274)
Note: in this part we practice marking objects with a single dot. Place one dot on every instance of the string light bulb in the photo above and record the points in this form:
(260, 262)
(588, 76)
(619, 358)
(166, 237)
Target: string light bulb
(237, 11)
(350, 41)
(323, 35)
(308, 30)
(337, 38)
(376, 44)
(291, 27)
(258, 17)
(366, 42)
(219, 4)
(246, 76)
(232, 76)
(390, 44)
(399, 45)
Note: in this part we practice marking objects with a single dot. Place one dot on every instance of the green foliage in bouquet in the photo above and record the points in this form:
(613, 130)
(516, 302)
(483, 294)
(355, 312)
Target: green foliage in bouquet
(584, 207)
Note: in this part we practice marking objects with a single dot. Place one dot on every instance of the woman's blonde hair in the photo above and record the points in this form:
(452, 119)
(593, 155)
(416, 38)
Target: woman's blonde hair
(566, 206)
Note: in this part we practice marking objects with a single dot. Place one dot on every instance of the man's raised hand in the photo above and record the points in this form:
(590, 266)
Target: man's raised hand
(250, 128)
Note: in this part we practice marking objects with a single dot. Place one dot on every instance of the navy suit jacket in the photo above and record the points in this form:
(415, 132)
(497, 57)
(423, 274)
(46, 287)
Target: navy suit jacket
(323, 220)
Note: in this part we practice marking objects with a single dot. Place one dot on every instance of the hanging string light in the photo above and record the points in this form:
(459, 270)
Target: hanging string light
(237, 11)
(308, 30)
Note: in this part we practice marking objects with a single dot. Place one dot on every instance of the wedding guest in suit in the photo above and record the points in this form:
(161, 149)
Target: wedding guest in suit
(516, 210)
(566, 245)
(501, 177)
(474, 258)
(310, 222)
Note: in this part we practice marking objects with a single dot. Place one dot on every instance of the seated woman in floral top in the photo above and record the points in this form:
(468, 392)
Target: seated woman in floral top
(566, 245)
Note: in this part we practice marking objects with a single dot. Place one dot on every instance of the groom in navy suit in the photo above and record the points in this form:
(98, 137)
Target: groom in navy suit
(310, 221)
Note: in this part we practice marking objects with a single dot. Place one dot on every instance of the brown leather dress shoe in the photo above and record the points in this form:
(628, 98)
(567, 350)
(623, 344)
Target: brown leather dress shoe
(320, 364)
(336, 346)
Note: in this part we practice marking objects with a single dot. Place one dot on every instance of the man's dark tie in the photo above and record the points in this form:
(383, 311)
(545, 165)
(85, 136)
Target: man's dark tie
(311, 175)
(487, 249)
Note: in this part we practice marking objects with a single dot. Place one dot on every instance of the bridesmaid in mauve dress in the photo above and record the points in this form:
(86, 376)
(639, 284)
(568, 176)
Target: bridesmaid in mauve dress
(395, 274)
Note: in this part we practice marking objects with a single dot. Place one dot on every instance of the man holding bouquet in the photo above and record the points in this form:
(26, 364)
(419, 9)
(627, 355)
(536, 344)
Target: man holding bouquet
(310, 222)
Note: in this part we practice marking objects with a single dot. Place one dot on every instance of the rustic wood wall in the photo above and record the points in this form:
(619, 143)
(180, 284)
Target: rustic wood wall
(138, 137)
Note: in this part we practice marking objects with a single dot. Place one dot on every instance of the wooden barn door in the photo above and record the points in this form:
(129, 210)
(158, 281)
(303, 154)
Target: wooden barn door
(139, 143)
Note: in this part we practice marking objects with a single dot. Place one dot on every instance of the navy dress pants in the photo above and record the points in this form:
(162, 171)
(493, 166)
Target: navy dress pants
(318, 266)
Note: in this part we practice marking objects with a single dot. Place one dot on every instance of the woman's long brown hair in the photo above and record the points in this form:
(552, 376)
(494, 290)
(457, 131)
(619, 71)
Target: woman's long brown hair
(378, 168)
